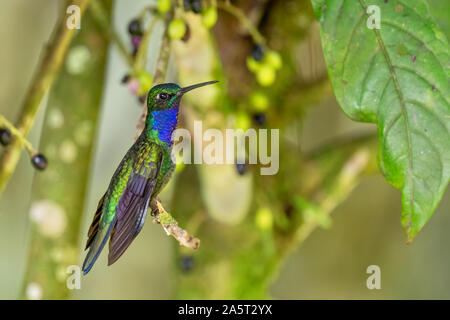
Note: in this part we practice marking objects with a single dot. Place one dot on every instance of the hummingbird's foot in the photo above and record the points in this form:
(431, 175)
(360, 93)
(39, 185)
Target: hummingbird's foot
(154, 207)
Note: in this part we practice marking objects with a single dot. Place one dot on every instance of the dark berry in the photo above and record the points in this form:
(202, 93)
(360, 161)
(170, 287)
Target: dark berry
(259, 118)
(5, 137)
(258, 52)
(136, 41)
(134, 27)
(187, 5)
(289, 210)
(187, 34)
(187, 263)
(125, 79)
(39, 161)
(241, 168)
(196, 6)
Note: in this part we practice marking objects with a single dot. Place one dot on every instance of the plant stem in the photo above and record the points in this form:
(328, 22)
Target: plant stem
(161, 67)
(170, 225)
(101, 17)
(141, 56)
(257, 37)
(63, 186)
(164, 52)
(359, 161)
(27, 144)
(42, 82)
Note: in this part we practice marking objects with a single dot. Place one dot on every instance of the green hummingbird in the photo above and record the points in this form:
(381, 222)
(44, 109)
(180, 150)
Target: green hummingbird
(143, 172)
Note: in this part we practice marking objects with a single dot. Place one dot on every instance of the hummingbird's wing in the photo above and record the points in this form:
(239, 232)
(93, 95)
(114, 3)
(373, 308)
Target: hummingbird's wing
(130, 212)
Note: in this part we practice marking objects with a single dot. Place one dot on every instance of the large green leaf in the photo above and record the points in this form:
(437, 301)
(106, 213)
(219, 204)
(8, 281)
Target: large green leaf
(397, 77)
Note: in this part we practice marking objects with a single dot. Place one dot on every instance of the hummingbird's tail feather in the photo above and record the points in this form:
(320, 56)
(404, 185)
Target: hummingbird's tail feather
(95, 223)
(96, 246)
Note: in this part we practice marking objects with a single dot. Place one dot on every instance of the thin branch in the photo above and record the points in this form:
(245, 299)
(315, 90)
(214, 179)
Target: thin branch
(161, 67)
(16, 133)
(170, 225)
(360, 161)
(42, 82)
(244, 21)
(164, 52)
(99, 13)
(141, 56)
(347, 179)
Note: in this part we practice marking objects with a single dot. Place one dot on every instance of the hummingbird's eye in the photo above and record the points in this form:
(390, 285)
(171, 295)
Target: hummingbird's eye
(163, 96)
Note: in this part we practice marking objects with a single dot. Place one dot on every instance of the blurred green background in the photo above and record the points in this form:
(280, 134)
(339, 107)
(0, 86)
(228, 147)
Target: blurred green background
(330, 264)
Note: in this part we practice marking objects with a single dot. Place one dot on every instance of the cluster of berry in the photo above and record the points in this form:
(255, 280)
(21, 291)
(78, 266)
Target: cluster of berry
(178, 28)
(39, 161)
(263, 63)
(135, 31)
(141, 83)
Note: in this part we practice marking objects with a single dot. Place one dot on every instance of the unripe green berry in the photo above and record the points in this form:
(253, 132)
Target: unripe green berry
(264, 219)
(177, 29)
(265, 75)
(242, 120)
(253, 65)
(259, 101)
(209, 17)
(273, 59)
(163, 6)
(145, 83)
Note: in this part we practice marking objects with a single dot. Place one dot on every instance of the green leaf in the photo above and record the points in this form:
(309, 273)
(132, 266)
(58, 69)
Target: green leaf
(397, 77)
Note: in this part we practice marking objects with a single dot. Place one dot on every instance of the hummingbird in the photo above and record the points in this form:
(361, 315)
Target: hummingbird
(141, 175)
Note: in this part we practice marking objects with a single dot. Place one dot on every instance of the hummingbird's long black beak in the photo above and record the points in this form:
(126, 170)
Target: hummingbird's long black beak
(195, 86)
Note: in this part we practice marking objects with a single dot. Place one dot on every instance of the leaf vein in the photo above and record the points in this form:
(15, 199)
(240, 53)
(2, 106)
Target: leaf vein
(412, 35)
(404, 112)
(347, 48)
(424, 107)
(424, 80)
(366, 75)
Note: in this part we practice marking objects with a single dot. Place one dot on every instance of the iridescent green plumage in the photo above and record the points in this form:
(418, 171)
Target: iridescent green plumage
(141, 175)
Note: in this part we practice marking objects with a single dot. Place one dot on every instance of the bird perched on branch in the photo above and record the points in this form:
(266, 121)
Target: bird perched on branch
(143, 172)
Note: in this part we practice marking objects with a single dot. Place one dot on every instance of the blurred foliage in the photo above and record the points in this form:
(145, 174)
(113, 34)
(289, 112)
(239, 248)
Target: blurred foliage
(67, 140)
(268, 58)
(393, 75)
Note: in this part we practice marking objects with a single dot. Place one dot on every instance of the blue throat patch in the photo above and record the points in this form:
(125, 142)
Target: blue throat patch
(165, 122)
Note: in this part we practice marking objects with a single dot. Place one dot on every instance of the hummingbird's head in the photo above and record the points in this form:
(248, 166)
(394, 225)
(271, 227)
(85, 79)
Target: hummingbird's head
(167, 95)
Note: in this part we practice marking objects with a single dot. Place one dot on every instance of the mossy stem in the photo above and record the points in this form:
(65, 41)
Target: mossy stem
(42, 82)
